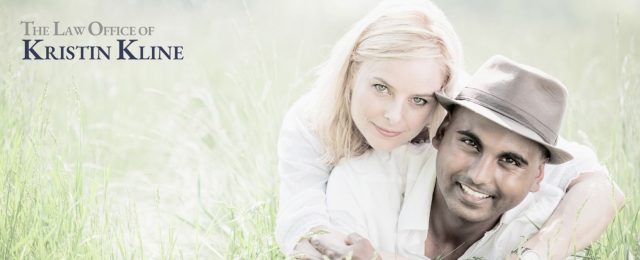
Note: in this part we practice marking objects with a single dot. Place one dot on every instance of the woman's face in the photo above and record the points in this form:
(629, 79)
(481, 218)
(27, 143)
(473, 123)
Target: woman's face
(392, 100)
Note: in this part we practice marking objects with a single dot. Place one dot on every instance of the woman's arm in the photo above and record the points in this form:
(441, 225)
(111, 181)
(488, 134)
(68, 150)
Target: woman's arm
(583, 214)
(303, 178)
(588, 207)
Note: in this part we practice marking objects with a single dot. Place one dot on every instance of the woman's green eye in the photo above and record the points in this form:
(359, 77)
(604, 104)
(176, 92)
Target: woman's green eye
(381, 88)
(419, 101)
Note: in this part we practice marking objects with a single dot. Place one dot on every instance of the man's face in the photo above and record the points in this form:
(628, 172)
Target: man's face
(483, 169)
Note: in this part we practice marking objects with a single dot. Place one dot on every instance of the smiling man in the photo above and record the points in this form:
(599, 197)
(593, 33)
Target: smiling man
(483, 170)
(482, 195)
(492, 150)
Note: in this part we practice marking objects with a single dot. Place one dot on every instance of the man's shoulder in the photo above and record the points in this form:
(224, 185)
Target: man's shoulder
(584, 159)
(577, 150)
(537, 206)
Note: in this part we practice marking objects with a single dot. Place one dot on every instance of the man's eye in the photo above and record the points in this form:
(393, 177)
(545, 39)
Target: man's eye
(419, 101)
(381, 88)
(511, 161)
(470, 142)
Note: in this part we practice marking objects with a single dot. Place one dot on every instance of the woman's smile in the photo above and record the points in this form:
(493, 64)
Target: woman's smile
(386, 132)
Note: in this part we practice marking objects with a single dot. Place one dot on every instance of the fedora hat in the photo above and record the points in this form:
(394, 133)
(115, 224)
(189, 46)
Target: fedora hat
(520, 98)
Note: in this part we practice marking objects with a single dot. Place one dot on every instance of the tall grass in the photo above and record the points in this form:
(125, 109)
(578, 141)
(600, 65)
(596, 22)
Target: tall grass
(622, 239)
(46, 211)
(175, 160)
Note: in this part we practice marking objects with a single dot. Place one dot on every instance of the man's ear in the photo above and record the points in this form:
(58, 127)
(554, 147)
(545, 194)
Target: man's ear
(437, 138)
(540, 175)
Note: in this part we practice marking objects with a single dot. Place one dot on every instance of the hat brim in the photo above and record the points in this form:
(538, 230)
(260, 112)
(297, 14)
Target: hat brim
(556, 154)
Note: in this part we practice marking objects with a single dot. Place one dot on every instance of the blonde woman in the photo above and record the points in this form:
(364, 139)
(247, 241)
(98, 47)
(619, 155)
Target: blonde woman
(375, 94)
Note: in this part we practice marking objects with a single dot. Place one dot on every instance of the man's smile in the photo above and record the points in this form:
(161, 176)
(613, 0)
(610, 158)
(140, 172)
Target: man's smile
(472, 195)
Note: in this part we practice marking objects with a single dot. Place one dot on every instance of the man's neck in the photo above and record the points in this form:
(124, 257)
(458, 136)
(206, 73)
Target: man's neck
(450, 236)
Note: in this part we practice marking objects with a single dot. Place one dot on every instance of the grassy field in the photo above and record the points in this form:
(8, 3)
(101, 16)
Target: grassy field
(177, 159)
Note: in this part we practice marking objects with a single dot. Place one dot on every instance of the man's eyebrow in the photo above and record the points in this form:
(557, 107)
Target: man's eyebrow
(516, 157)
(471, 135)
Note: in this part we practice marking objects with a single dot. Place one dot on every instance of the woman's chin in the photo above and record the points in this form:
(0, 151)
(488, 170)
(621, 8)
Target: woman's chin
(385, 145)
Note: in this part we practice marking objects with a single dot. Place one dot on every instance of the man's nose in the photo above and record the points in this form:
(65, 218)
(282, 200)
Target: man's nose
(482, 171)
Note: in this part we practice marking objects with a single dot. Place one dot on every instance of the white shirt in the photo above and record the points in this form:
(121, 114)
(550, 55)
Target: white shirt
(365, 195)
(303, 179)
(304, 176)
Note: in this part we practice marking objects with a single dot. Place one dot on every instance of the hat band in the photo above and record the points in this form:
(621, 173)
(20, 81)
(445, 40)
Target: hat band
(508, 110)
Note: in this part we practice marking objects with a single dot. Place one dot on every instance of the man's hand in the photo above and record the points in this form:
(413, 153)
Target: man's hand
(353, 247)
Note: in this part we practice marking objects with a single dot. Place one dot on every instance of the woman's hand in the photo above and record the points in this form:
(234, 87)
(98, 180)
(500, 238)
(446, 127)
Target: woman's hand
(306, 250)
(353, 247)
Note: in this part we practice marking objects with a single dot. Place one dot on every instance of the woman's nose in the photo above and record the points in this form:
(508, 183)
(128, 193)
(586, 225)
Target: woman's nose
(393, 113)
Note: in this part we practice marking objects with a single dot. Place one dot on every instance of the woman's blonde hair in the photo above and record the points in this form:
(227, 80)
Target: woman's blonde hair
(393, 30)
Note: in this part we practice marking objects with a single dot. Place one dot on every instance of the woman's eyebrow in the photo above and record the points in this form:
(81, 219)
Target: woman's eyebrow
(391, 87)
(383, 81)
(426, 95)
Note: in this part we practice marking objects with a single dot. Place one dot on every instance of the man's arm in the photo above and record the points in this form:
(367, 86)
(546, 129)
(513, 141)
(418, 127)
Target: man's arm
(588, 207)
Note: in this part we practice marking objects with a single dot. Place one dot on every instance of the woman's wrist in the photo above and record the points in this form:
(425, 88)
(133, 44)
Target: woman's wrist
(546, 245)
